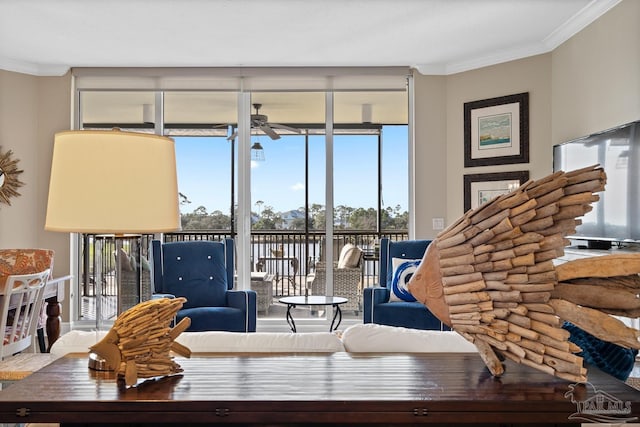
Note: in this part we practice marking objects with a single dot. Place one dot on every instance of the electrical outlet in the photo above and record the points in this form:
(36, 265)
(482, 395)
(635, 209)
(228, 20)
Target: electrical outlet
(438, 223)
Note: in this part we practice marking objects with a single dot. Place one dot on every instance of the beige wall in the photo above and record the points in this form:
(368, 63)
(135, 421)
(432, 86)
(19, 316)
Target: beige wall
(430, 163)
(596, 75)
(32, 109)
(590, 83)
(440, 132)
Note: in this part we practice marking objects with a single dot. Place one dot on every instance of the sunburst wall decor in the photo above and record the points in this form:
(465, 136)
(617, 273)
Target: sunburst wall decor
(9, 182)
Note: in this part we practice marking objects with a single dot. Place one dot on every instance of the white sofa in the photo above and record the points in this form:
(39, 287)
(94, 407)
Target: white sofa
(365, 338)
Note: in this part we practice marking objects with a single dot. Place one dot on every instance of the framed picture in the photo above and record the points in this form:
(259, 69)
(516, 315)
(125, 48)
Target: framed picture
(496, 131)
(483, 187)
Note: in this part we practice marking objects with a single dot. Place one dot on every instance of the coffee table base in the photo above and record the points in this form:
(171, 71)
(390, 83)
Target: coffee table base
(314, 300)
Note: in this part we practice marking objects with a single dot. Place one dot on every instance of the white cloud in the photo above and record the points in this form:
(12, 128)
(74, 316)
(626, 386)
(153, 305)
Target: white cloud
(297, 186)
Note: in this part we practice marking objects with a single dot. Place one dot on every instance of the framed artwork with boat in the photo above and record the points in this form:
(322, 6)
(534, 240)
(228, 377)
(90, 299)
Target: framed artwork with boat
(496, 131)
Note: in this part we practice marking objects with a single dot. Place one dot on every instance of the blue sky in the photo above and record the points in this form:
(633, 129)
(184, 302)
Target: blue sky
(204, 171)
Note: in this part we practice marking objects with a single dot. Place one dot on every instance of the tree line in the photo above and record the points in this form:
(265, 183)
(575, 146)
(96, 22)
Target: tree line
(266, 218)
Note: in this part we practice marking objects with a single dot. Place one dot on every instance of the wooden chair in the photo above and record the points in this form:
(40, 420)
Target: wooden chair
(22, 298)
(27, 261)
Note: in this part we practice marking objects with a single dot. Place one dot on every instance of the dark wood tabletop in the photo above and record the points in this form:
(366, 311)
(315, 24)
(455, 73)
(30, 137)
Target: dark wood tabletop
(342, 388)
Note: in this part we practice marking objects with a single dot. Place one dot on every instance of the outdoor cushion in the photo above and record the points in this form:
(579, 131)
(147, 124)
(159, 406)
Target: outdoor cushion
(349, 256)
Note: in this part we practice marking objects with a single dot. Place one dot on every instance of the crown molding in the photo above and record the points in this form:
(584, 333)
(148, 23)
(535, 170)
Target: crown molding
(482, 61)
(38, 70)
(594, 10)
(591, 12)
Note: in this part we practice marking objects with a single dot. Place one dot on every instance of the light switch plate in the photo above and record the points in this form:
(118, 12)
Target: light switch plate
(438, 223)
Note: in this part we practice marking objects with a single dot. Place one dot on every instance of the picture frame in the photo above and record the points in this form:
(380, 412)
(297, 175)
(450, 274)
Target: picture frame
(496, 131)
(483, 187)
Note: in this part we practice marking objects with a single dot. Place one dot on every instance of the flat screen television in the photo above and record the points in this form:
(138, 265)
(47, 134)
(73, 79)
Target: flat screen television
(616, 216)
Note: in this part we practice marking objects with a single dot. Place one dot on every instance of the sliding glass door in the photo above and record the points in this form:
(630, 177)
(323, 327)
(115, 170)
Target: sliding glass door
(307, 155)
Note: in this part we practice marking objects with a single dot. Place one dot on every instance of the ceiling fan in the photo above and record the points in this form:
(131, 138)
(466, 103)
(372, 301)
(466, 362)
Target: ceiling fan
(261, 121)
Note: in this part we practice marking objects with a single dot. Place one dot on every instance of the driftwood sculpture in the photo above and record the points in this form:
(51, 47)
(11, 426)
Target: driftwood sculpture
(490, 276)
(141, 339)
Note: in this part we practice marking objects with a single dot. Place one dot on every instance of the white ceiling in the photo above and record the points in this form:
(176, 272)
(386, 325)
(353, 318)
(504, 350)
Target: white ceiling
(45, 37)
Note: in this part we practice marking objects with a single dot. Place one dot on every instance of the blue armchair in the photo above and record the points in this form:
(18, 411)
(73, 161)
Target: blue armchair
(203, 272)
(381, 307)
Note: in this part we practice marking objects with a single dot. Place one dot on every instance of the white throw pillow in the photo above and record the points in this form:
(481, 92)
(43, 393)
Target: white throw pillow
(403, 269)
(373, 338)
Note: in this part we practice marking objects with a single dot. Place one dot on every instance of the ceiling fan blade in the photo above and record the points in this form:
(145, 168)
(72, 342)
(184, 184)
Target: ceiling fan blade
(285, 127)
(220, 125)
(270, 132)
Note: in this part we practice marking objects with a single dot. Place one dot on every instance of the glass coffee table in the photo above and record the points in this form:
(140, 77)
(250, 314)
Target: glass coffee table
(314, 300)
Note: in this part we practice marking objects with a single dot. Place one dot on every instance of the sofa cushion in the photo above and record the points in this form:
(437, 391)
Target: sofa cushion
(372, 338)
(76, 342)
(403, 269)
(220, 342)
(261, 342)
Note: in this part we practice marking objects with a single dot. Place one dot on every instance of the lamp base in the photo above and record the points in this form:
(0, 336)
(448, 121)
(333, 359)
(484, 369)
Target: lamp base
(97, 363)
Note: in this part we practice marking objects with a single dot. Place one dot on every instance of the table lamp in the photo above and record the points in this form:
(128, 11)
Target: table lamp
(112, 182)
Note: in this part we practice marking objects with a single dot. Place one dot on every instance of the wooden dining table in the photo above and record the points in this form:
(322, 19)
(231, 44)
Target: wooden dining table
(54, 293)
(342, 388)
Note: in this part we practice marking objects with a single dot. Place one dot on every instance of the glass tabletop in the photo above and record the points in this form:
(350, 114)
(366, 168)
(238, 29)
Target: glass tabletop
(313, 300)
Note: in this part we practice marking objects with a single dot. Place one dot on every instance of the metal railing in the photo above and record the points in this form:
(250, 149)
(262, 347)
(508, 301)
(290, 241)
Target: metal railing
(289, 256)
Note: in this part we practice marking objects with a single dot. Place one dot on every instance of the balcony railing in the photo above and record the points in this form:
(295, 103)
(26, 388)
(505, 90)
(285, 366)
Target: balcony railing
(288, 256)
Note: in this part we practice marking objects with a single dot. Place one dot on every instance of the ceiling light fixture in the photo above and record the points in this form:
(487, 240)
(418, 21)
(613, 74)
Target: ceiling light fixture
(257, 152)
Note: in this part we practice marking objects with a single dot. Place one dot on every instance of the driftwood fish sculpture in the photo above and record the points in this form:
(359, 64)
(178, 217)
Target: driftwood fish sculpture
(140, 343)
(491, 277)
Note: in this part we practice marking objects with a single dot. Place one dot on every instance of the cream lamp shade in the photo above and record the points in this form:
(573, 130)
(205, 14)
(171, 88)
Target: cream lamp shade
(112, 182)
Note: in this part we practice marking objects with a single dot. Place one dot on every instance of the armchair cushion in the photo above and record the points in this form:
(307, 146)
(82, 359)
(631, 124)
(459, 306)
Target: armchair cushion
(192, 270)
(403, 269)
(213, 319)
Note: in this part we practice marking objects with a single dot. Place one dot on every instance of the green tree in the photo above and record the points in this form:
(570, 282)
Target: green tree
(341, 216)
(269, 220)
(199, 219)
(394, 218)
(317, 216)
(363, 219)
(259, 204)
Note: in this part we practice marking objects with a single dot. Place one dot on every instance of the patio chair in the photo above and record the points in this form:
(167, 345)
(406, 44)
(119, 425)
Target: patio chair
(134, 280)
(202, 272)
(347, 274)
(389, 303)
